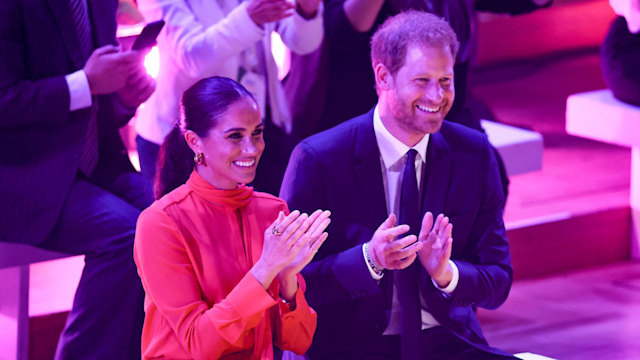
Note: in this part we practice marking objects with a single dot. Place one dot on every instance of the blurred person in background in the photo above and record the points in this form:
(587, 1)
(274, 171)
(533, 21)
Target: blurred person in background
(620, 52)
(229, 38)
(66, 183)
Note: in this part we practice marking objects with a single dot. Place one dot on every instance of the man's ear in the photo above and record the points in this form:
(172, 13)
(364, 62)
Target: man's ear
(384, 79)
(193, 140)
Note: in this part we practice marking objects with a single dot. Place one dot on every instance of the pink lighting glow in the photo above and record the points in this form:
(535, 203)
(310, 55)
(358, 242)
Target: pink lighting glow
(152, 62)
(281, 55)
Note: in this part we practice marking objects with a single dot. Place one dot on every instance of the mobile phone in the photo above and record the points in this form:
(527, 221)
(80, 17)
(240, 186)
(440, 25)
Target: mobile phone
(148, 35)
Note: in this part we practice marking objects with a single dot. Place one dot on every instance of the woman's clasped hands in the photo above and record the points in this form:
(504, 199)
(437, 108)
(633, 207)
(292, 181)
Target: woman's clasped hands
(290, 243)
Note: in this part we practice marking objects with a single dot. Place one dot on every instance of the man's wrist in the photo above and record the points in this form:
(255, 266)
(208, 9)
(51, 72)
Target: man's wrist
(370, 262)
(79, 90)
(453, 283)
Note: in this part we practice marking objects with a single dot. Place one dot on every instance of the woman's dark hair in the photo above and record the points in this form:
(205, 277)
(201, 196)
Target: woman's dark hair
(200, 108)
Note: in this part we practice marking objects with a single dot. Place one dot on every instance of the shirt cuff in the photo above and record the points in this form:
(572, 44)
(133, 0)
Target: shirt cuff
(374, 275)
(454, 280)
(79, 90)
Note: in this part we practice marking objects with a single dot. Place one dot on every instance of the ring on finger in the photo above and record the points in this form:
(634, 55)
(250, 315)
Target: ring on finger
(275, 231)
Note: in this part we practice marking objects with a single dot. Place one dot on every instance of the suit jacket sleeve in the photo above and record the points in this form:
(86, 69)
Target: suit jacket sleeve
(333, 277)
(484, 263)
(24, 101)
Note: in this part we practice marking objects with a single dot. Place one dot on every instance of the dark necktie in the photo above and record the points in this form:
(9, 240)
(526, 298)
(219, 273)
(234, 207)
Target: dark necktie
(89, 155)
(407, 279)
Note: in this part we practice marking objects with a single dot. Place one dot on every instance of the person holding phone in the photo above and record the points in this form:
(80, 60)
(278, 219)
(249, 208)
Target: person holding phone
(220, 262)
(230, 38)
(66, 183)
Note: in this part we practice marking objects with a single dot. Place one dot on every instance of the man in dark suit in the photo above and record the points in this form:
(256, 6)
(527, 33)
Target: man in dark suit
(66, 182)
(406, 289)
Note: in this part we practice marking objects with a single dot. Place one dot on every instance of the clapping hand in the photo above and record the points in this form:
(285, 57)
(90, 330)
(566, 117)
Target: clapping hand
(436, 251)
(289, 244)
(313, 239)
(266, 11)
(390, 253)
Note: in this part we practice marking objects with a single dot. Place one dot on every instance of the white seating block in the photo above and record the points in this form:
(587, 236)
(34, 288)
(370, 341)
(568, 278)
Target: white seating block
(15, 260)
(532, 356)
(597, 115)
(520, 149)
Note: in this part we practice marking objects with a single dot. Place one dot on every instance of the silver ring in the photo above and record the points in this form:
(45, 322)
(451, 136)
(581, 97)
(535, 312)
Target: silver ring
(275, 231)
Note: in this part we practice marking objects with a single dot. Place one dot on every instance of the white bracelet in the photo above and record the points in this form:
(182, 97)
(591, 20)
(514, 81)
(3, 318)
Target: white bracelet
(378, 270)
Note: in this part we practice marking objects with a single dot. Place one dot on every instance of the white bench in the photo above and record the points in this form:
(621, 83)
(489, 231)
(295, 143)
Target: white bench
(532, 356)
(287, 355)
(597, 115)
(520, 149)
(14, 296)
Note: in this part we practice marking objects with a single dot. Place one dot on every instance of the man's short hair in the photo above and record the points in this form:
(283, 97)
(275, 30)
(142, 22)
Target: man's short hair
(389, 43)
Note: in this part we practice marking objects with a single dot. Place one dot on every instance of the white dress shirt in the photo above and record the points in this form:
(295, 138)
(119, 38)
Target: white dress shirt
(392, 160)
(79, 90)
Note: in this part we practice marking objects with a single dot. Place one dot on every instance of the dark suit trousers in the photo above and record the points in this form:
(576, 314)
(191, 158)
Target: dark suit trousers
(99, 221)
(437, 344)
(148, 156)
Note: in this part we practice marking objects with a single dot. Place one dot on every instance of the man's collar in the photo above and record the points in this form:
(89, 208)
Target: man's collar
(392, 149)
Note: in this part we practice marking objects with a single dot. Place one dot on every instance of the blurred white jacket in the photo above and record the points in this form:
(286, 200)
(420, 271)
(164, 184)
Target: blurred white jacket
(204, 38)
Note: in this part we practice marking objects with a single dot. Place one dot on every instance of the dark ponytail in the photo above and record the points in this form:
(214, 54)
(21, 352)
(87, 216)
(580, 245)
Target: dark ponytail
(175, 163)
(200, 108)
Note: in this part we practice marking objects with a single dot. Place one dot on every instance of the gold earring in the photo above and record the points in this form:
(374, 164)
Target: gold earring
(198, 158)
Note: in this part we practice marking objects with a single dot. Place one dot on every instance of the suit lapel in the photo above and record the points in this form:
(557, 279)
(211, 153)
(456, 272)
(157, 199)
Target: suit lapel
(368, 170)
(66, 25)
(437, 175)
(102, 15)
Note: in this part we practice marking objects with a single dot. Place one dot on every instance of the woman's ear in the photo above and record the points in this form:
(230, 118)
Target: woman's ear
(193, 141)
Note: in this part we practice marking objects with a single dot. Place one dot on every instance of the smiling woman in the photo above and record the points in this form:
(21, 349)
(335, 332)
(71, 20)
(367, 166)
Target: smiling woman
(210, 249)
(230, 152)
(218, 119)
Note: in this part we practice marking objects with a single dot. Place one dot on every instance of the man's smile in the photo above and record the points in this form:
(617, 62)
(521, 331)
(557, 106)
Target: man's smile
(428, 109)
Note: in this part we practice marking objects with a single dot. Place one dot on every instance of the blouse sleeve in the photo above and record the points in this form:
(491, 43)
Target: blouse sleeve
(295, 329)
(170, 283)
